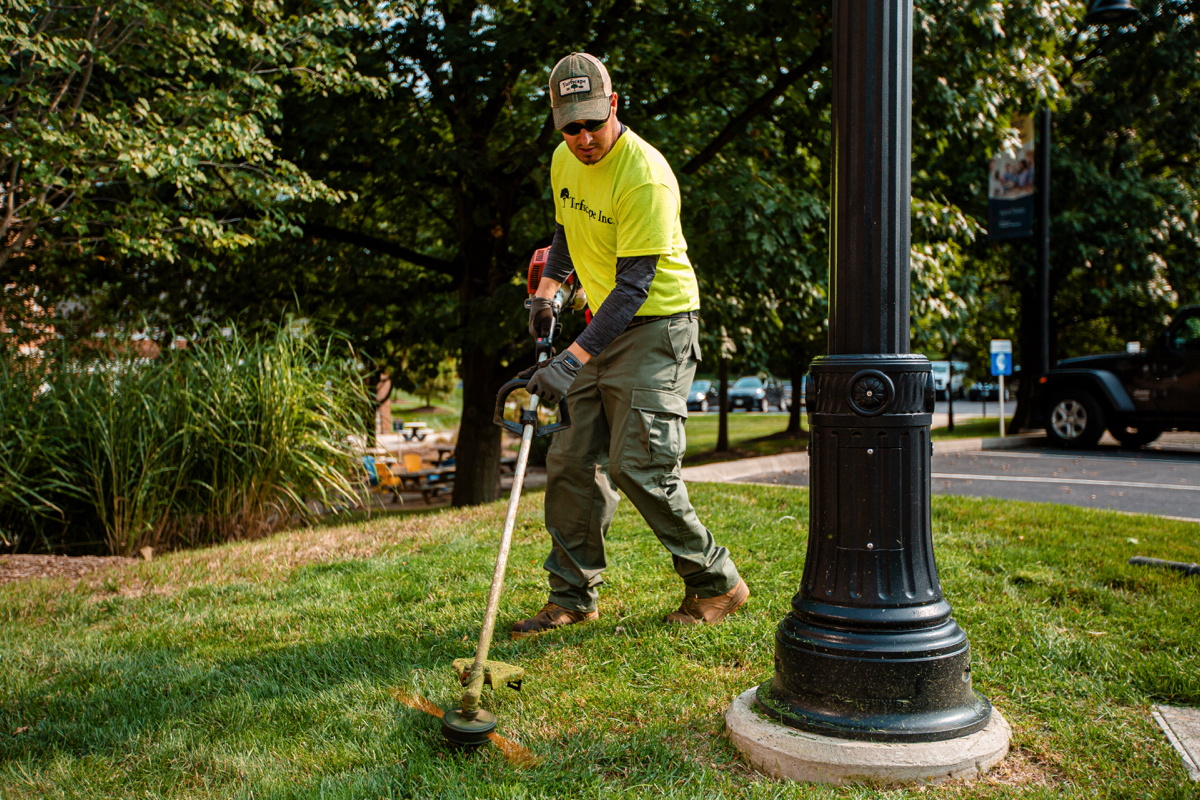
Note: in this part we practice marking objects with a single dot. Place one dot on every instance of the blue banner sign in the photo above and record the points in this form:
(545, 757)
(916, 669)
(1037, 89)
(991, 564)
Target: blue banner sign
(1010, 187)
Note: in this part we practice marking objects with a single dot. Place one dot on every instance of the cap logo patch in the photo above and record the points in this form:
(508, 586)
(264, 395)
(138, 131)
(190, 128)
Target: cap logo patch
(582, 83)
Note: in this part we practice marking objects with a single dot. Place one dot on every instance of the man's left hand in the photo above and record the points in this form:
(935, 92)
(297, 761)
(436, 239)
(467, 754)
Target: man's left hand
(551, 380)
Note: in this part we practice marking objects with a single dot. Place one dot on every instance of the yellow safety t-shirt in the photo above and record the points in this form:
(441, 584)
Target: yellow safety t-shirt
(627, 204)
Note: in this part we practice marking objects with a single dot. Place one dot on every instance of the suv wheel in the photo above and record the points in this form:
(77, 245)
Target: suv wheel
(1075, 419)
(1134, 437)
(783, 406)
(764, 406)
(704, 405)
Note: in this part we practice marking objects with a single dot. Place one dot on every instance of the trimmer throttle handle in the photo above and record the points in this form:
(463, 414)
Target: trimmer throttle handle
(528, 417)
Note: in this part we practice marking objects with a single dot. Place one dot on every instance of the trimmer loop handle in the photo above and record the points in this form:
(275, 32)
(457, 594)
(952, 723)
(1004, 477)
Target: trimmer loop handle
(528, 416)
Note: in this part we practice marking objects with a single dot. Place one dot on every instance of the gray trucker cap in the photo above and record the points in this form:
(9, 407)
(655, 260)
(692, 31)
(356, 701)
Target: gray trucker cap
(579, 89)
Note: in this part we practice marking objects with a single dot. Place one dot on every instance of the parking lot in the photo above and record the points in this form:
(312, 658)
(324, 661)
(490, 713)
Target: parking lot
(1162, 479)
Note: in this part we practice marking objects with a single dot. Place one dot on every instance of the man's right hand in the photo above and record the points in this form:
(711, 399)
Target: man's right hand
(541, 316)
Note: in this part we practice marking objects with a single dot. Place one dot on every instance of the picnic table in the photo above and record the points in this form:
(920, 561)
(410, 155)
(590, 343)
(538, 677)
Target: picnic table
(413, 430)
(430, 482)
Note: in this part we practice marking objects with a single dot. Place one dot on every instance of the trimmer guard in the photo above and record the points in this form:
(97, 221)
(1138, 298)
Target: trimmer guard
(495, 673)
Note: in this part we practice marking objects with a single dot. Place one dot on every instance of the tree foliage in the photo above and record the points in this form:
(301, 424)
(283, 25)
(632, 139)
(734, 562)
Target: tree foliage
(144, 129)
(1123, 185)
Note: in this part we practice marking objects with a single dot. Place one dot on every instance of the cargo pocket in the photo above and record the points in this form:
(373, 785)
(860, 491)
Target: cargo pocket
(680, 333)
(656, 439)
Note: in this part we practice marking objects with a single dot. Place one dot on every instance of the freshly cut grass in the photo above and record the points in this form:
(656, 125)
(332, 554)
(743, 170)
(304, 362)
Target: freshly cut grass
(269, 669)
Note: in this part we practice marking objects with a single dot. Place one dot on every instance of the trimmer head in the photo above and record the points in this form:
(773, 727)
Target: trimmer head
(464, 732)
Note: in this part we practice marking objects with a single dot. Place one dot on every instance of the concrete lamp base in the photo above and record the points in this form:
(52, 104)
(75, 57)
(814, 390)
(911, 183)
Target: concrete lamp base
(783, 752)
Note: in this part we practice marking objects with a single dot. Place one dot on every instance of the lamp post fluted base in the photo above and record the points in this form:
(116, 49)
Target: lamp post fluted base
(869, 650)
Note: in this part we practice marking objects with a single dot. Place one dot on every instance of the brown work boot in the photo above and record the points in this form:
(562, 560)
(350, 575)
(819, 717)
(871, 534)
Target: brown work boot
(551, 616)
(711, 610)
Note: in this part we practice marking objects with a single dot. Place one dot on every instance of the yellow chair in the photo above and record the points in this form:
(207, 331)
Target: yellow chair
(381, 478)
(412, 462)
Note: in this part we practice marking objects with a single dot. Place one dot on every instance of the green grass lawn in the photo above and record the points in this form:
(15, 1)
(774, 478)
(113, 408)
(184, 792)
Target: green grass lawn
(759, 435)
(447, 418)
(747, 432)
(971, 428)
(267, 669)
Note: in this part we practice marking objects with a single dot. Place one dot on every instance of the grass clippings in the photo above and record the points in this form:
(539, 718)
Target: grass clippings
(24, 567)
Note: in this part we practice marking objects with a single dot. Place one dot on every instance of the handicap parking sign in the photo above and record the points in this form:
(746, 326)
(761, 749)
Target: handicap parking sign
(1001, 356)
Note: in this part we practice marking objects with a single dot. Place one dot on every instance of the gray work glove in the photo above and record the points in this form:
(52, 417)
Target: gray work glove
(541, 316)
(551, 379)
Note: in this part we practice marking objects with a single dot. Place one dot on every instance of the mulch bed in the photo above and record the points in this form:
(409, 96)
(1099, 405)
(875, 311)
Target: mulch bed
(25, 567)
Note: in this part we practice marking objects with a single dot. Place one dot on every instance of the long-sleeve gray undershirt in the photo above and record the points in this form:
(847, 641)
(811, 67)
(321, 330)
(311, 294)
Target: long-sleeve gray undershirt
(634, 276)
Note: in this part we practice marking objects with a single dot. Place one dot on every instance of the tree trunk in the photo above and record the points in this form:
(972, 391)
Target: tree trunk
(723, 406)
(477, 456)
(383, 411)
(799, 368)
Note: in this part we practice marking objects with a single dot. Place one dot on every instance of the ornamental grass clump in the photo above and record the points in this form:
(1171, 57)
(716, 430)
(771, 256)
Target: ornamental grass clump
(105, 449)
(273, 419)
(33, 464)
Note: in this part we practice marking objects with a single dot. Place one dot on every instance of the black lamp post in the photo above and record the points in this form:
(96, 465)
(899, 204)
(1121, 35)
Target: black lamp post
(869, 650)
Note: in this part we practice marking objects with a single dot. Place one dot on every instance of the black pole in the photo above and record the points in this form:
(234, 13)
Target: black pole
(1042, 179)
(722, 403)
(869, 650)
(1042, 188)
(950, 395)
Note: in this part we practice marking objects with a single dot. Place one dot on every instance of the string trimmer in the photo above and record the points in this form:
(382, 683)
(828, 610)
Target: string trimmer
(470, 725)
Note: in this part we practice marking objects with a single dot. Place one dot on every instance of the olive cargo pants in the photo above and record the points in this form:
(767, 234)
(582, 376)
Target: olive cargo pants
(628, 406)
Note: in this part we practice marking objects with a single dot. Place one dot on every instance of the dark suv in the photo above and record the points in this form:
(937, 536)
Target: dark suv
(1136, 396)
(755, 393)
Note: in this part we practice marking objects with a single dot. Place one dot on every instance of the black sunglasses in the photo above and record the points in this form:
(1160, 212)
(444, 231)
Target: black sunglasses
(592, 125)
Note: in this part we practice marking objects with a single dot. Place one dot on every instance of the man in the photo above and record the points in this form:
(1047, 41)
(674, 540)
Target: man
(626, 377)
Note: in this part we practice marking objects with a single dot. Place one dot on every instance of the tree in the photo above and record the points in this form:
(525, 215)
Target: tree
(452, 173)
(143, 129)
(766, 225)
(1125, 180)
(438, 380)
(1124, 202)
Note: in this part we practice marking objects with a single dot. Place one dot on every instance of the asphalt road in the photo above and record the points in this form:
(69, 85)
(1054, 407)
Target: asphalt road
(1163, 479)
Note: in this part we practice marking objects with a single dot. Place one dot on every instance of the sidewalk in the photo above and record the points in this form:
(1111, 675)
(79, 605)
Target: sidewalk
(790, 462)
